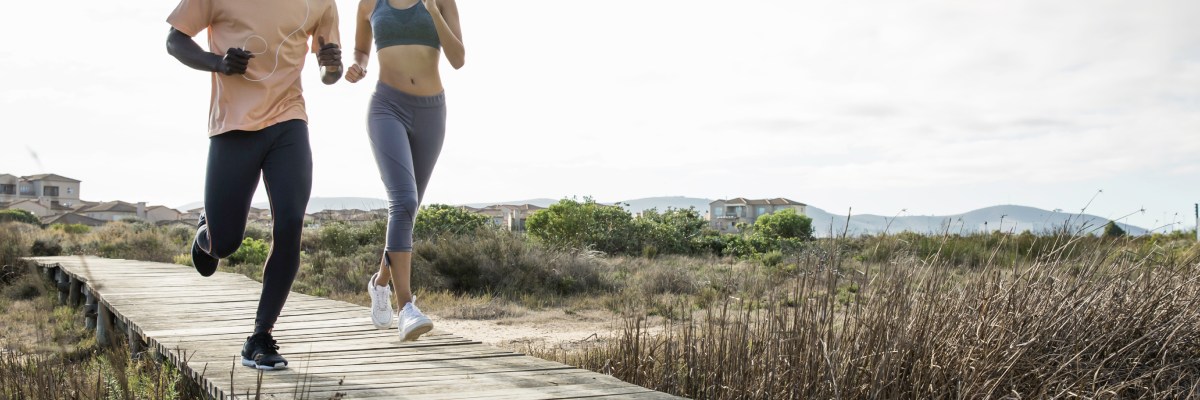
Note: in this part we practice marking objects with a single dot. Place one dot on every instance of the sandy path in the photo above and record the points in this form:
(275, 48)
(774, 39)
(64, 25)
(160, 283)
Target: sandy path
(535, 328)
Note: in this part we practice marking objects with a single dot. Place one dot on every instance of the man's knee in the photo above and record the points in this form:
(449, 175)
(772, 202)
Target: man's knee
(225, 247)
(288, 225)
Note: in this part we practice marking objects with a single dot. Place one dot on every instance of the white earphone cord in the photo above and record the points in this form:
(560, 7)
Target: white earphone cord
(307, 10)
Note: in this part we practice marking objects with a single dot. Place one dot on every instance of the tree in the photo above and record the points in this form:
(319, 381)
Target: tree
(1112, 230)
(676, 231)
(441, 219)
(570, 224)
(785, 224)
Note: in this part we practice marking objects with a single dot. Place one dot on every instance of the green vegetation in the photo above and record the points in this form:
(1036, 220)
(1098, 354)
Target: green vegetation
(769, 313)
(1111, 229)
(440, 220)
(18, 216)
(571, 225)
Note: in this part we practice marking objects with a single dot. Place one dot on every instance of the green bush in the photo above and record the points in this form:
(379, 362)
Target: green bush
(784, 224)
(1111, 230)
(19, 216)
(252, 252)
(495, 261)
(571, 225)
(439, 219)
(672, 232)
(74, 229)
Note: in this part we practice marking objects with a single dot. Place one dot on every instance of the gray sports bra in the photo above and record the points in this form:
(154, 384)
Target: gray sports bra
(413, 25)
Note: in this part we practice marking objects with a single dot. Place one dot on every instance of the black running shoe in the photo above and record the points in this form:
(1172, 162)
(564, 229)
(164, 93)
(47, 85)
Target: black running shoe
(205, 264)
(260, 351)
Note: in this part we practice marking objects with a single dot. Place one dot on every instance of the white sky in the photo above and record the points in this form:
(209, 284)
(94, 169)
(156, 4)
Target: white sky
(936, 107)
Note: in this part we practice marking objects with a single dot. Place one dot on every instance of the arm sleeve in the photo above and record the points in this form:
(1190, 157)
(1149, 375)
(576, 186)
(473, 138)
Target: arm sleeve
(327, 26)
(191, 16)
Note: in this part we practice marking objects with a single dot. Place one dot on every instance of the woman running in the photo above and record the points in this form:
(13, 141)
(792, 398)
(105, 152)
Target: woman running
(406, 123)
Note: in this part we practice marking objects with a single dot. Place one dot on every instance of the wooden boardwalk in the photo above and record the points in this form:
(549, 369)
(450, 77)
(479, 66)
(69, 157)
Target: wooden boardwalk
(333, 350)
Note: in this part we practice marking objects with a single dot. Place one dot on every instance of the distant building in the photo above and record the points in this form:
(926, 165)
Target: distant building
(507, 216)
(115, 211)
(724, 215)
(70, 219)
(158, 214)
(55, 199)
(32, 206)
(43, 195)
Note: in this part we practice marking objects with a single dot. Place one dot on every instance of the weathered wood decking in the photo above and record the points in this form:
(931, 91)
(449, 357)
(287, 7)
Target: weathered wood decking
(334, 351)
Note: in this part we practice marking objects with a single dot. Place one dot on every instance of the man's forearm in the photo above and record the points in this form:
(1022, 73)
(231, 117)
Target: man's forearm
(183, 48)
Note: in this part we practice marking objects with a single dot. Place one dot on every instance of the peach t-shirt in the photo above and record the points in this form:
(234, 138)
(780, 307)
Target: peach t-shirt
(260, 98)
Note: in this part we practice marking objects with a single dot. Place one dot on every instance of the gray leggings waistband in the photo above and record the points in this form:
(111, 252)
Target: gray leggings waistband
(386, 92)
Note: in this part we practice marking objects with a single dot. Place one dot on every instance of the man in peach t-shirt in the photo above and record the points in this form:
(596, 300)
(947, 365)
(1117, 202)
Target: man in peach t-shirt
(257, 125)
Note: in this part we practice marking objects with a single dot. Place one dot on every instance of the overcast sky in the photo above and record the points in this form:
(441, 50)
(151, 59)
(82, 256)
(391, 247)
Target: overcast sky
(934, 107)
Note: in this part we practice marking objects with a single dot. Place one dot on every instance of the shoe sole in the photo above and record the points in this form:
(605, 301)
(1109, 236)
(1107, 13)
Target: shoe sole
(416, 333)
(250, 363)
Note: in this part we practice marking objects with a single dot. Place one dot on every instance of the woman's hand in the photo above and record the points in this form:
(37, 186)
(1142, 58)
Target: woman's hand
(356, 72)
(431, 6)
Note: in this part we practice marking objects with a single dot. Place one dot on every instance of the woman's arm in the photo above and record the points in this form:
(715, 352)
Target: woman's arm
(362, 42)
(183, 48)
(445, 18)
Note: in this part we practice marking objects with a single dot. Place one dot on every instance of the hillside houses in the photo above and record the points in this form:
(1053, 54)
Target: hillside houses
(56, 199)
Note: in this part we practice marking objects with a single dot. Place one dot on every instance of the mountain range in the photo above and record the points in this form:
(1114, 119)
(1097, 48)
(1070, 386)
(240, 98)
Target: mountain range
(1009, 218)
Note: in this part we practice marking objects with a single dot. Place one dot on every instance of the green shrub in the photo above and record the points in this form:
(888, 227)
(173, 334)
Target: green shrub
(494, 261)
(253, 252)
(784, 224)
(571, 225)
(672, 232)
(439, 219)
(74, 229)
(15, 215)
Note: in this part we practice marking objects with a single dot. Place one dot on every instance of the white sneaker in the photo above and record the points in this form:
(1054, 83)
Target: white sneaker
(413, 323)
(381, 303)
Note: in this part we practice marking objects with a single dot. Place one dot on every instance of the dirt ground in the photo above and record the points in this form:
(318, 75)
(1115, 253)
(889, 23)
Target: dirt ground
(551, 327)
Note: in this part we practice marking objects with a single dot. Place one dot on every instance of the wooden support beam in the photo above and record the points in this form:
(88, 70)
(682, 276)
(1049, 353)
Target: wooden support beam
(63, 283)
(74, 292)
(136, 345)
(89, 309)
(104, 326)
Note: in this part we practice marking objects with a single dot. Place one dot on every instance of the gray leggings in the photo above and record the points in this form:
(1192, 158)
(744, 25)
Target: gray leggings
(406, 135)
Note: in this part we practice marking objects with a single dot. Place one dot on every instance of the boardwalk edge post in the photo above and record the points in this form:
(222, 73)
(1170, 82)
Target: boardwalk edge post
(89, 309)
(63, 283)
(73, 291)
(104, 326)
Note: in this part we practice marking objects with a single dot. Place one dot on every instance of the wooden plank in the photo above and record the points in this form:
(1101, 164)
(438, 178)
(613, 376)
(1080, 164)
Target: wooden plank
(200, 323)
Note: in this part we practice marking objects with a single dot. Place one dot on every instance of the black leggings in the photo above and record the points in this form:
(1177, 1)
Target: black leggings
(281, 153)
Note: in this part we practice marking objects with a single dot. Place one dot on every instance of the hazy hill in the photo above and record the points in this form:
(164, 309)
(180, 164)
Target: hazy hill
(1009, 218)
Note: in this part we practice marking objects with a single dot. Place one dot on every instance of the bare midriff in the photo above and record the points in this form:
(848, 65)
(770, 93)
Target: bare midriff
(412, 69)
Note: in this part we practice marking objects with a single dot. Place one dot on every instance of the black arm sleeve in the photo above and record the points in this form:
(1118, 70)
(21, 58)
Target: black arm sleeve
(184, 49)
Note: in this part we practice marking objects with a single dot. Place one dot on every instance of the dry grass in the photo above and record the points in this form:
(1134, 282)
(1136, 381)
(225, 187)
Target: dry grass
(1103, 323)
(47, 353)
